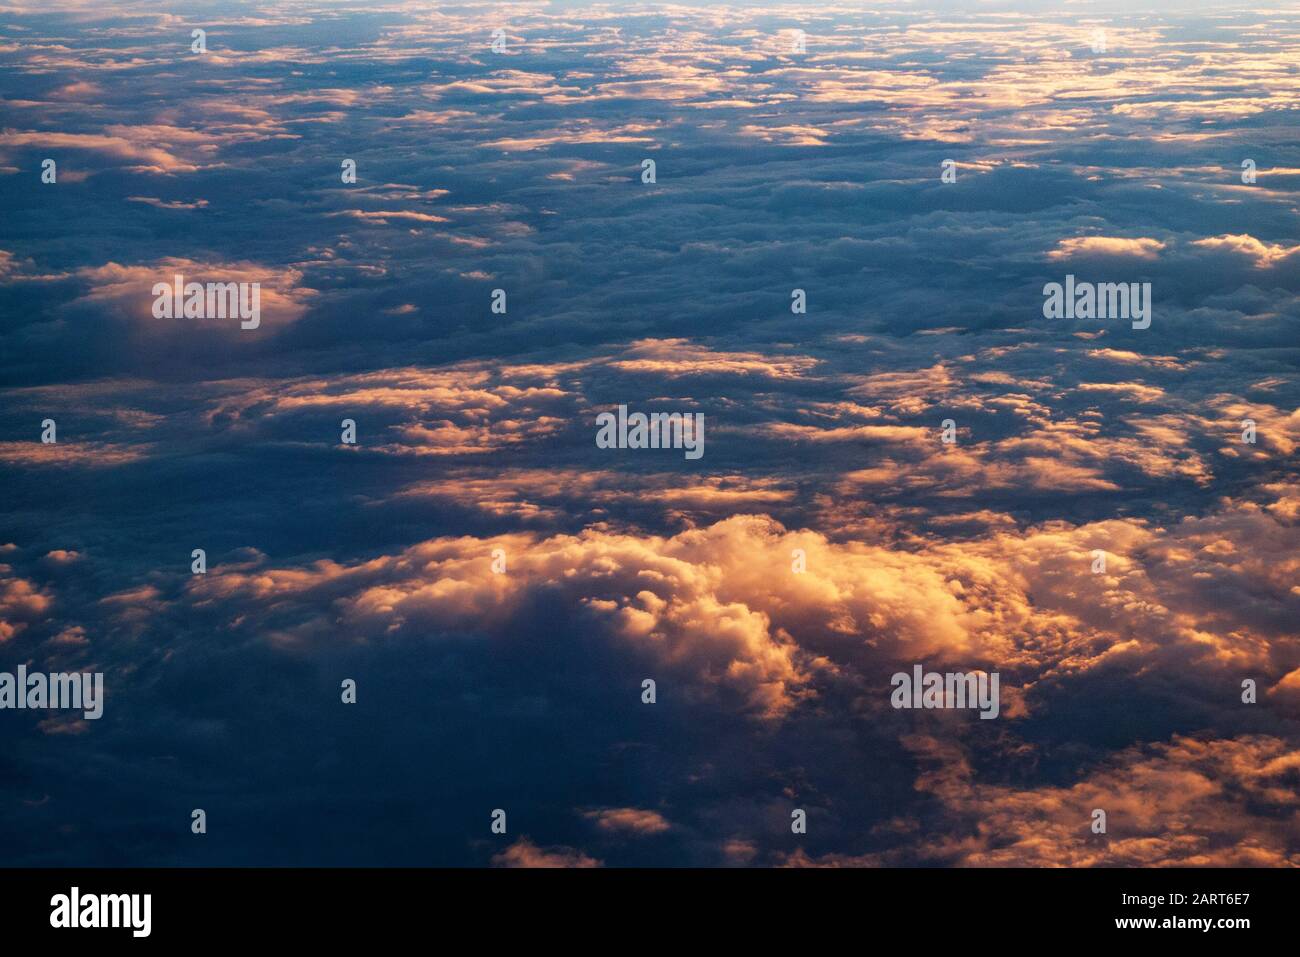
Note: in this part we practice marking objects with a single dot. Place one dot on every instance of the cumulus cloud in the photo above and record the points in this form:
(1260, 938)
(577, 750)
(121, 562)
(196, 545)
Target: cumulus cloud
(1084, 246)
(21, 603)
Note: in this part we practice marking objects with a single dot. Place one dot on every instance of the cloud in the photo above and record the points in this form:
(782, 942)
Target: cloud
(1115, 246)
(524, 853)
(1188, 802)
(828, 537)
(1265, 255)
(630, 820)
(21, 603)
(125, 146)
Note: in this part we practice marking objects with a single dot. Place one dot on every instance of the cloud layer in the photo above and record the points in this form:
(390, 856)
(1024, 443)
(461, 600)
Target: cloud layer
(1112, 527)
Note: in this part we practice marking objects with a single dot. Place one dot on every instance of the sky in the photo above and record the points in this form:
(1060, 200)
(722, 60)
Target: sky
(917, 468)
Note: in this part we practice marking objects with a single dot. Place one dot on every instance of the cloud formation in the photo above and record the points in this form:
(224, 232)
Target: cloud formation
(1111, 526)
